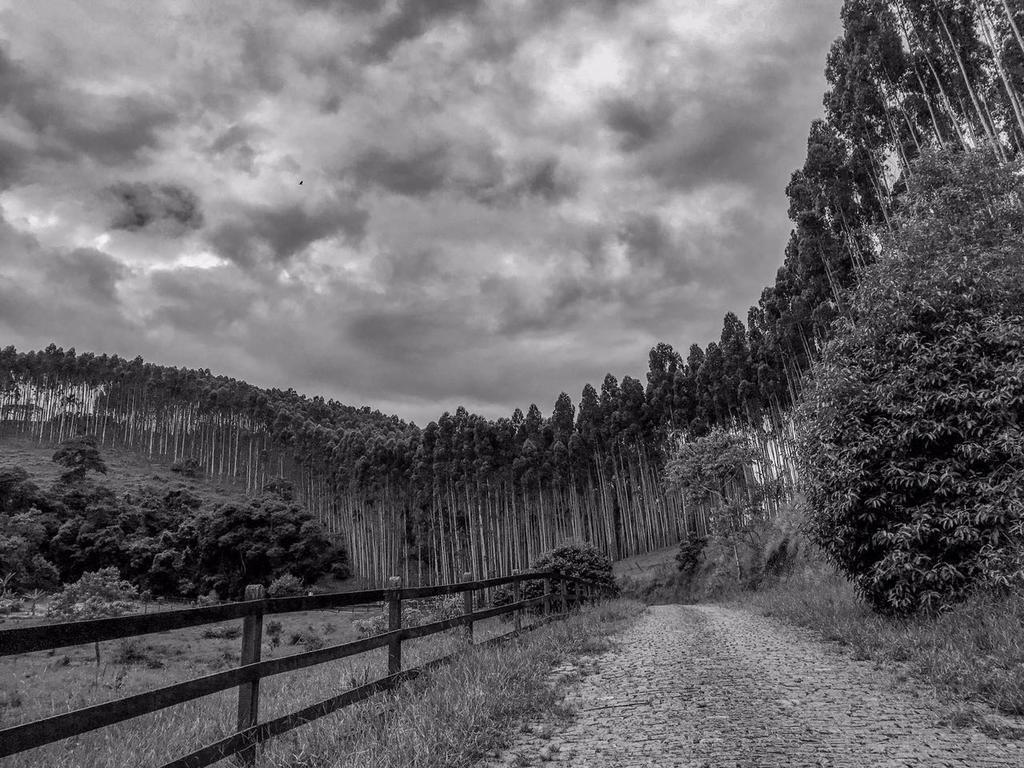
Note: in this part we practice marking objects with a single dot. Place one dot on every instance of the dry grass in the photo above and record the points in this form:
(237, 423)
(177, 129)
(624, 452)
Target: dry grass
(456, 714)
(454, 711)
(975, 650)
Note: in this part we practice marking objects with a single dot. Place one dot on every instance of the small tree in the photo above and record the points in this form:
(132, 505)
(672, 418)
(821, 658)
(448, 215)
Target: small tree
(284, 585)
(98, 594)
(715, 473)
(79, 454)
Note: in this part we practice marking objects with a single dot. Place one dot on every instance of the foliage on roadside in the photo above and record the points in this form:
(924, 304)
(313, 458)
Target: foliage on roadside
(911, 435)
(577, 559)
(973, 650)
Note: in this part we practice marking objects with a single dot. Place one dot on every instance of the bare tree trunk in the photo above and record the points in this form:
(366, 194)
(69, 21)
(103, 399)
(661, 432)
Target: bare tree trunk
(1013, 25)
(1011, 93)
(996, 146)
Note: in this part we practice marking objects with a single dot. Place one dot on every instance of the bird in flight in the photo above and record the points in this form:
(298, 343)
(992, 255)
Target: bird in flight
(300, 182)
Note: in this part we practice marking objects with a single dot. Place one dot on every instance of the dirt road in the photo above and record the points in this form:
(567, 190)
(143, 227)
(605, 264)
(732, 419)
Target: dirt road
(718, 687)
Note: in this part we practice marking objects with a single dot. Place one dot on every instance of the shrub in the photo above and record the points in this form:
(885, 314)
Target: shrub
(583, 561)
(910, 434)
(308, 638)
(210, 598)
(131, 650)
(690, 553)
(96, 595)
(313, 642)
(189, 467)
(284, 585)
(414, 614)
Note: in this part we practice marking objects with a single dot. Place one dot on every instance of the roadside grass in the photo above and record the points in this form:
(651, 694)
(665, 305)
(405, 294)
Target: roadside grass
(974, 650)
(455, 715)
(40, 684)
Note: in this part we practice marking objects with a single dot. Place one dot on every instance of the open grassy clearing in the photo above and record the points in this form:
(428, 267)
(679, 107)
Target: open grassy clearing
(126, 470)
(44, 684)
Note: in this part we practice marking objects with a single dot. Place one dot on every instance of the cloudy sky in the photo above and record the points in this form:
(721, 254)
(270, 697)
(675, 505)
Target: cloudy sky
(498, 201)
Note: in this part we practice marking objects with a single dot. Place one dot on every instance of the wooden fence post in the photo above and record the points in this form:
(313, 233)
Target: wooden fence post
(564, 591)
(249, 693)
(467, 596)
(517, 595)
(394, 601)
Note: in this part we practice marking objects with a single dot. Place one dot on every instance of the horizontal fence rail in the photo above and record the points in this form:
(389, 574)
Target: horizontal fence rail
(247, 676)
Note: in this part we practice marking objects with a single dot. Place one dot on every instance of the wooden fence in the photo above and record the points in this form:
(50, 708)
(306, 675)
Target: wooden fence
(251, 732)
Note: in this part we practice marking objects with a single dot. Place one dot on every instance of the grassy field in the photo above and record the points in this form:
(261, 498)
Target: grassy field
(40, 684)
(126, 470)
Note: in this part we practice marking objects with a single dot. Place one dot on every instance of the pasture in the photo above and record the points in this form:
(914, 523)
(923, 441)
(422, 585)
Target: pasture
(41, 684)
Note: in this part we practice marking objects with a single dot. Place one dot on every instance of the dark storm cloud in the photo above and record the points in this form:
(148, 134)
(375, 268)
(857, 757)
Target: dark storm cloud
(734, 135)
(545, 178)
(13, 160)
(637, 124)
(261, 233)
(649, 243)
(200, 302)
(412, 19)
(168, 209)
(68, 123)
(86, 273)
(414, 172)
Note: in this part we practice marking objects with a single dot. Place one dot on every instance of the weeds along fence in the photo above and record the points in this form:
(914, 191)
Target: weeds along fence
(561, 594)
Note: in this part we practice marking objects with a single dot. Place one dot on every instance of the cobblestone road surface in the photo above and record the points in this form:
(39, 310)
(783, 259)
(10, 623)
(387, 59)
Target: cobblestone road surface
(718, 687)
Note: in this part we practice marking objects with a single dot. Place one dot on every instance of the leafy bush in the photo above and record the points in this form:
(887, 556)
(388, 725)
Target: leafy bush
(911, 433)
(690, 553)
(132, 650)
(583, 561)
(210, 598)
(189, 467)
(96, 595)
(414, 614)
(284, 585)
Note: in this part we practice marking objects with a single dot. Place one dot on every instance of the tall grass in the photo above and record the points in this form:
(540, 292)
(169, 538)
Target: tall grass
(441, 719)
(974, 650)
(454, 715)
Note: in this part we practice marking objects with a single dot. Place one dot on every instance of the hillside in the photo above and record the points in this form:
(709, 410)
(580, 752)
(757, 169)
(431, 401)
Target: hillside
(126, 471)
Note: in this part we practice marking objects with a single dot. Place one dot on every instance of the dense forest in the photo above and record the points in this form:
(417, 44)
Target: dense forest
(906, 78)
